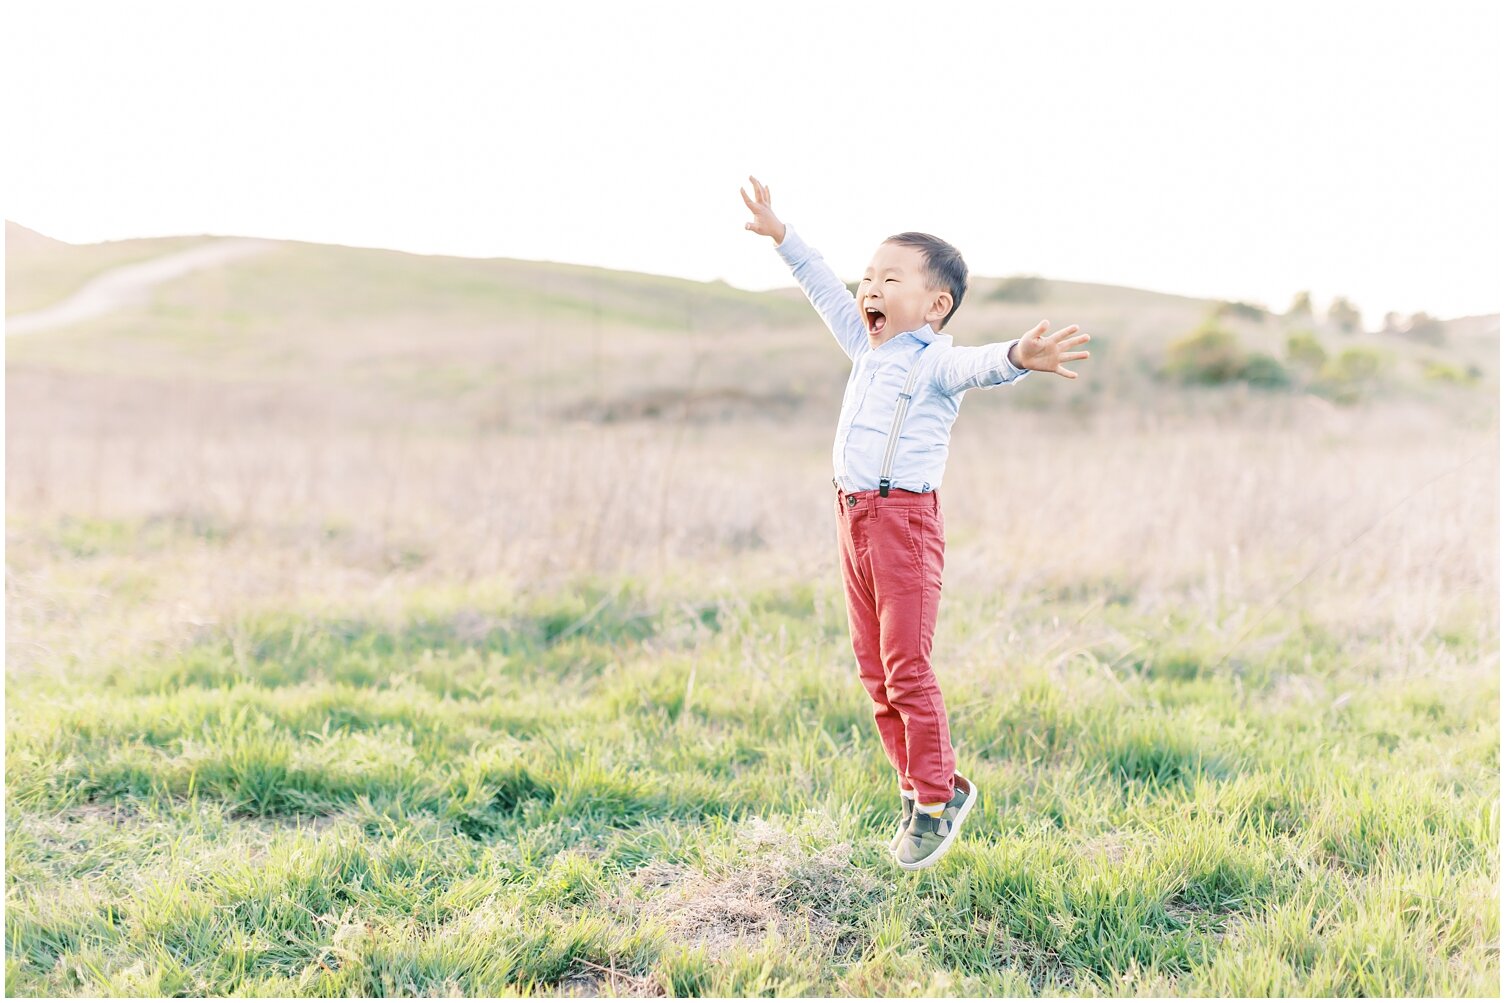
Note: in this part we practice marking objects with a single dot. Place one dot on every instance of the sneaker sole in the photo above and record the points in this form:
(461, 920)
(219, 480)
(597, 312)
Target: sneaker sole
(940, 851)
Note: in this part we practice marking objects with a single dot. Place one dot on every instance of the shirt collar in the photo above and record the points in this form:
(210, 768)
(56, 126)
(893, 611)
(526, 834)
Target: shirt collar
(925, 334)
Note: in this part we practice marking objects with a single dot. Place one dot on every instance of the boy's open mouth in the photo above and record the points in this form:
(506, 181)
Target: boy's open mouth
(875, 320)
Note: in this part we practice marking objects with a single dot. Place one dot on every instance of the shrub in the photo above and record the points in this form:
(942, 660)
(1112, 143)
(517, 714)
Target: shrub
(1020, 289)
(1347, 375)
(1261, 370)
(1210, 354)
(1305, 350)
(1249, 311)
(1446, 372)
(1354, 365)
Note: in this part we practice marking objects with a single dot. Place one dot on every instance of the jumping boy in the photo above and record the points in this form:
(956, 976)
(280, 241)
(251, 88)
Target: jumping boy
(901, 399)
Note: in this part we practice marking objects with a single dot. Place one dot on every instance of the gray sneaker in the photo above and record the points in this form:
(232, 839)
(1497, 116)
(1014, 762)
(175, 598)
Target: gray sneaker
(928, 837)
(906, 812)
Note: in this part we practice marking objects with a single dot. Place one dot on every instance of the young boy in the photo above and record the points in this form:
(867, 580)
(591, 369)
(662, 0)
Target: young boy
(902, 397)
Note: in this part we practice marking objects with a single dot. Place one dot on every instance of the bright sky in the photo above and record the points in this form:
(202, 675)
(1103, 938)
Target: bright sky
(1240, 151)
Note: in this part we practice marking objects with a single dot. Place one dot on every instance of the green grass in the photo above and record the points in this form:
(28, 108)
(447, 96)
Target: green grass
(594, 789)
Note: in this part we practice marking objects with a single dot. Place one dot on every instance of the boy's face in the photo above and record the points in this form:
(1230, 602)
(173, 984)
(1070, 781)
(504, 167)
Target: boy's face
(894, 295)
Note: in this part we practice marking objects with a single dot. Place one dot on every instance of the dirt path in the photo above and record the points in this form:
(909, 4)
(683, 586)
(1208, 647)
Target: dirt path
(130, 283)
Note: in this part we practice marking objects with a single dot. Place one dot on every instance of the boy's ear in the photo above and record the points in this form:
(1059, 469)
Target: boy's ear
(940, 306)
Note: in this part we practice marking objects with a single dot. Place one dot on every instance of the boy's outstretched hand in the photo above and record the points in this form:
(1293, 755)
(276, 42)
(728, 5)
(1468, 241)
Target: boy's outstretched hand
(1044, 353)
(764, 221)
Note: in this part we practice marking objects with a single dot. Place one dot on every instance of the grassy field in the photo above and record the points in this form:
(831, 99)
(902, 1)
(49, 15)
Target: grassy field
(373, 630)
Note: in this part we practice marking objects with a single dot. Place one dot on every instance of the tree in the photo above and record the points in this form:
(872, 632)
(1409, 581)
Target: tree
(1301, 305)
(1344, 315)
(1424, 327)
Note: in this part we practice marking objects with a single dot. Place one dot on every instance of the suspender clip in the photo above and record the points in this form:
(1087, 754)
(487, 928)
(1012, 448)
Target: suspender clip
(883, 483)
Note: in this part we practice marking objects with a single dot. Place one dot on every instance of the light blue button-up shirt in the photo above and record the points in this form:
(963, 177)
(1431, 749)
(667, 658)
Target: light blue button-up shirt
(878, 376)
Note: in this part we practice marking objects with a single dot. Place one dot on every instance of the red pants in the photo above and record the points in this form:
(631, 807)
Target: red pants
(892, 552)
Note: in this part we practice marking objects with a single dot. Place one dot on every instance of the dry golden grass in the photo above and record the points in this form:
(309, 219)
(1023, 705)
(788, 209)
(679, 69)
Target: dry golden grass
(1392, 509)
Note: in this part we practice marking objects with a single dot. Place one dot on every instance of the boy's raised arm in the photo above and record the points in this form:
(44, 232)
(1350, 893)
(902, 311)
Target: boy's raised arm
(965, 368)
(827, 293)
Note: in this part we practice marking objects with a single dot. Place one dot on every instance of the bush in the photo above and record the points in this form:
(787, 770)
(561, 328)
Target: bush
(1213, 355)
(1210, 354)
(1261, 370)
(1346, 376)
(1446, 372)
(1249, 311)
(1305, 350)
(1354, 365)
(1020, 289)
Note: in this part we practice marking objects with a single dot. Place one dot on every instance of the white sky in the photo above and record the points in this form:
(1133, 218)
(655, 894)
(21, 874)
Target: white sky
(1197, 148)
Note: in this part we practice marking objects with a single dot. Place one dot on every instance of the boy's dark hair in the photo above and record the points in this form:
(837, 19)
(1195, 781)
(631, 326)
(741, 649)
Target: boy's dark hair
(944, 267)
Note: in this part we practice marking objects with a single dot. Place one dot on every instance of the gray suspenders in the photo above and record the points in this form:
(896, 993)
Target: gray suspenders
(900, 410)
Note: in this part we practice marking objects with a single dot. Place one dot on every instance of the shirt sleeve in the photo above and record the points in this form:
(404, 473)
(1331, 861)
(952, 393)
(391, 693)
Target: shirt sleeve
(966, 368)
(828, 294)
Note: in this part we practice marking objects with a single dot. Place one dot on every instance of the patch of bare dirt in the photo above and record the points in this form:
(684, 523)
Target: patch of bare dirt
(799, 882)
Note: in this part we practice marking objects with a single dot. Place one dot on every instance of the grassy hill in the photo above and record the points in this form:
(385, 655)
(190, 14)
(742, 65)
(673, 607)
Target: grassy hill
(40, 271)
(485, 342)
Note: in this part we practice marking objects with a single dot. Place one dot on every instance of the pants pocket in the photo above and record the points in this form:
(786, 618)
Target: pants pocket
(912, 529)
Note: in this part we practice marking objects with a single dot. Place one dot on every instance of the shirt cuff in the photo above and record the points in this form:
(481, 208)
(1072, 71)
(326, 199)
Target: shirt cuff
(793, 250)
(1014, 371)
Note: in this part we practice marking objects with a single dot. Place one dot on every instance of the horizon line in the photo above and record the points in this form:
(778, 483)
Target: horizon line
(684, 278)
